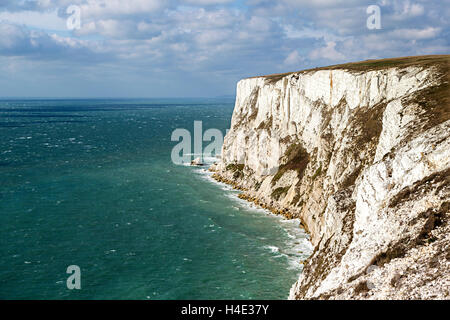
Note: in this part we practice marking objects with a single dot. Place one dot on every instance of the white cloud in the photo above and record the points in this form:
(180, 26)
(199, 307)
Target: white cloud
(35, 19)
(293, 59)
(109, 8)
(209, 37)
(426, 33)
(224, 38)
(10, 36)
(207, 2)
(406, 10)
(308, 32)
(324, 3)
(258, 24)
(328, 52)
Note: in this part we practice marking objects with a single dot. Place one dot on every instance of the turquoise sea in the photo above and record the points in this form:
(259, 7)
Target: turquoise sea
(91, 183)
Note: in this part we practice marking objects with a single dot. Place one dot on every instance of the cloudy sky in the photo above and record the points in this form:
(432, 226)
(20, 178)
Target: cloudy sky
(198, 48)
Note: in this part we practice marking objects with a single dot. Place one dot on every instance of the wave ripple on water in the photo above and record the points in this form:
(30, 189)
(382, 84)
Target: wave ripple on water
(90, 183)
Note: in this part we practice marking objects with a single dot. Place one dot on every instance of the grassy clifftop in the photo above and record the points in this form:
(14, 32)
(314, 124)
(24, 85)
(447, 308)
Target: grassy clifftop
(440, 61)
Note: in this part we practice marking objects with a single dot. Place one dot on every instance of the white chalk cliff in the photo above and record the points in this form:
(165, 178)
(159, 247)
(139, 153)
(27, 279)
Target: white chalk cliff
(361, 154)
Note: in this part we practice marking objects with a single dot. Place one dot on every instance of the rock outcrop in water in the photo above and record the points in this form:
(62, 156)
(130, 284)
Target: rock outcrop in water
(361, 154)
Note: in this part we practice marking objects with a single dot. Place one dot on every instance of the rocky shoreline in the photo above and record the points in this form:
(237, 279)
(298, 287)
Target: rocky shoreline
(250, 196)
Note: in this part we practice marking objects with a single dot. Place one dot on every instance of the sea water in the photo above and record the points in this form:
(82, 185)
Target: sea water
(91, 183)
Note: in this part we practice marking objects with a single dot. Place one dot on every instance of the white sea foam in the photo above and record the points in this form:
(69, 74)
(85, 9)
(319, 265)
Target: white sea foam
(207, 175)
(297, 246)
(209, 160)
(273, 249)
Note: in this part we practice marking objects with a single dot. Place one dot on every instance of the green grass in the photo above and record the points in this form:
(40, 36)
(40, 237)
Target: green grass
(235, 167)
(317, 173)
(401, 62)
(372, 65)
(278, 192)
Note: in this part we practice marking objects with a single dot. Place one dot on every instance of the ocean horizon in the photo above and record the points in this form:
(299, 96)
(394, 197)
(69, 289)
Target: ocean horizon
(90, 182)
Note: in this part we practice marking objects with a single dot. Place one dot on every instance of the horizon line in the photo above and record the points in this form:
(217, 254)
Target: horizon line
(111, 98)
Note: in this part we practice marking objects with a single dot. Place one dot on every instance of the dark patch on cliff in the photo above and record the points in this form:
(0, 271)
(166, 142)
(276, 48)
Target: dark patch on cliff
(278, 192)
(252, 112)
(237, 169)
(274, 78)
(324, 257)
(266, 125)
(296, 158)
(361, 287)
(433, 219)
(366, 125)
(435, 181)
(430, 220)
(364, 130)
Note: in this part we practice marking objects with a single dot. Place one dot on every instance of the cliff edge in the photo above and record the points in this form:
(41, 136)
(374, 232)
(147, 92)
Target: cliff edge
(360, 153)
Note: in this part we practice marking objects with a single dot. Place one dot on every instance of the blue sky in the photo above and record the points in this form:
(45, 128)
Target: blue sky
(198, 48)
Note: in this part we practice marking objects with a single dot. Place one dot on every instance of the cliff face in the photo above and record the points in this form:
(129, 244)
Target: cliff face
(361, 154)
